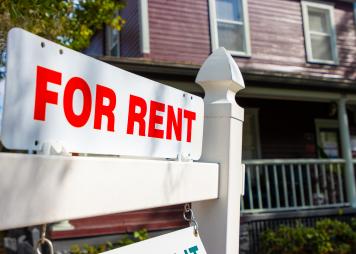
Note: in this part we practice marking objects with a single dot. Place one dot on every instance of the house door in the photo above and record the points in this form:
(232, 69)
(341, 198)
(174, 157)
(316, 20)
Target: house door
(328, 141)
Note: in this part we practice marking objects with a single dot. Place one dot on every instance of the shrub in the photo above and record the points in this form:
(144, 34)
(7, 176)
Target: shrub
(136, 236)
(327, 237)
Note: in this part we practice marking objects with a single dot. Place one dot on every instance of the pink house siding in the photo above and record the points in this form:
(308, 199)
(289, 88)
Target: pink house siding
(179, 32)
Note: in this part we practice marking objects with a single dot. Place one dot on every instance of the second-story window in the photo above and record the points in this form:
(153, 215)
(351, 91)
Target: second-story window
(319, 32)
(229, 26)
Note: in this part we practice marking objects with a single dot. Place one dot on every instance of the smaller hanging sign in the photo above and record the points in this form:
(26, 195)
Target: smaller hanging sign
(179, 242)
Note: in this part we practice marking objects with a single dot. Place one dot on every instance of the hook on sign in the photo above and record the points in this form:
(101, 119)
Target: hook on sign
(42, 241)
(188, 215)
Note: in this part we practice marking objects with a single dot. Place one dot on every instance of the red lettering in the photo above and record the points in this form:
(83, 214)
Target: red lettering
(175, 123)
(44, 96)
(155, 119)
(101, 109)
(74, 84)
(190, 116)
(136, 101)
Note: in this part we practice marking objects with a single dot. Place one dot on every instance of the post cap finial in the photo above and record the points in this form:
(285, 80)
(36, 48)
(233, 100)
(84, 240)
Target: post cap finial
(220, 70)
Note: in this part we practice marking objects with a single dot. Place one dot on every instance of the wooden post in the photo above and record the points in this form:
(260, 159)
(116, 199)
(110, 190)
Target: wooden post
(219, 219)
(346, 150)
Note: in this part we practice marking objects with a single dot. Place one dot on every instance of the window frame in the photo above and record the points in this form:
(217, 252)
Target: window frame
(109, 42)
(214, 29)
(254, 113)
(325, 124)
(329, 7)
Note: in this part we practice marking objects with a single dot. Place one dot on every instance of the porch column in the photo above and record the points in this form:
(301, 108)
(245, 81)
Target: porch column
(346, 150)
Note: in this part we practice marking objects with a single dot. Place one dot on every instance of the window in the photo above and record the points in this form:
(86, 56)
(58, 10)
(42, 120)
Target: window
(112, 42)
(251, 135)
(319, 32)
(229, 26)
(328, 143)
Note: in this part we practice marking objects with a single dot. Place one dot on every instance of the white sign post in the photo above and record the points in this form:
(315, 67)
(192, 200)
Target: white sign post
(219, 219)
(53, 188)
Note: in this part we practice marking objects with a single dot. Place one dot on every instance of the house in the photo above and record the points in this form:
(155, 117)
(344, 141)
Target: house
(297, 59)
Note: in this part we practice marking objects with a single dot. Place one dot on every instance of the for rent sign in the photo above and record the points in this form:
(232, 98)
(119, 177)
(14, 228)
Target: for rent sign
(54, 94)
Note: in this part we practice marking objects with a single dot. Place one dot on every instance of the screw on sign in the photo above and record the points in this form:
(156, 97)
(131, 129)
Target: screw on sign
(104, 94)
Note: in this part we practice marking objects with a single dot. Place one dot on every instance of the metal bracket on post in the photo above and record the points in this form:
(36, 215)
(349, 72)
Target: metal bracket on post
(53, 148)
(184, 158)
(56, 148)
(219, 219)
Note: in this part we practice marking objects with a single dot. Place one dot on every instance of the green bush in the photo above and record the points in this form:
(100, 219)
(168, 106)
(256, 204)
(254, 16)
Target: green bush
(327, 237)
(136, 236)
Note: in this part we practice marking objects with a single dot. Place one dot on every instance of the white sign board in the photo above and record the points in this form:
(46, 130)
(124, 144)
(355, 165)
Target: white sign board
(56, 95)
(180, 242)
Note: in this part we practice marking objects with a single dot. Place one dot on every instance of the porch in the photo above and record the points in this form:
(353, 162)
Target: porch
(274, 185)
(299, 155)
(292, 191)
(298, 150)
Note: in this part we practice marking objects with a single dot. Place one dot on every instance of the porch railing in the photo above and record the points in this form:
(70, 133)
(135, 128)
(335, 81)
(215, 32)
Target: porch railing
(278, 185)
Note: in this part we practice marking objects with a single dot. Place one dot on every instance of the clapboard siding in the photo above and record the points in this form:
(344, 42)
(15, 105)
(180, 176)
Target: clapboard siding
(270, 24)
(281, 27)
(130, 33)
(179, 32)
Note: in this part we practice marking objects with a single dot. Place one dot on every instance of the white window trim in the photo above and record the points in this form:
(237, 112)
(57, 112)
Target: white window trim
(330, 8)
(108, 42)
(214, 29)
(144, 26)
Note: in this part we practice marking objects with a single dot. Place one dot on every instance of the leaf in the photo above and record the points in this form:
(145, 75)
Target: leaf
(68, 22)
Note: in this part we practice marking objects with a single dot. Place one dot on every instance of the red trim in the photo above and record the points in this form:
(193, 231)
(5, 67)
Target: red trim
(151, 219)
